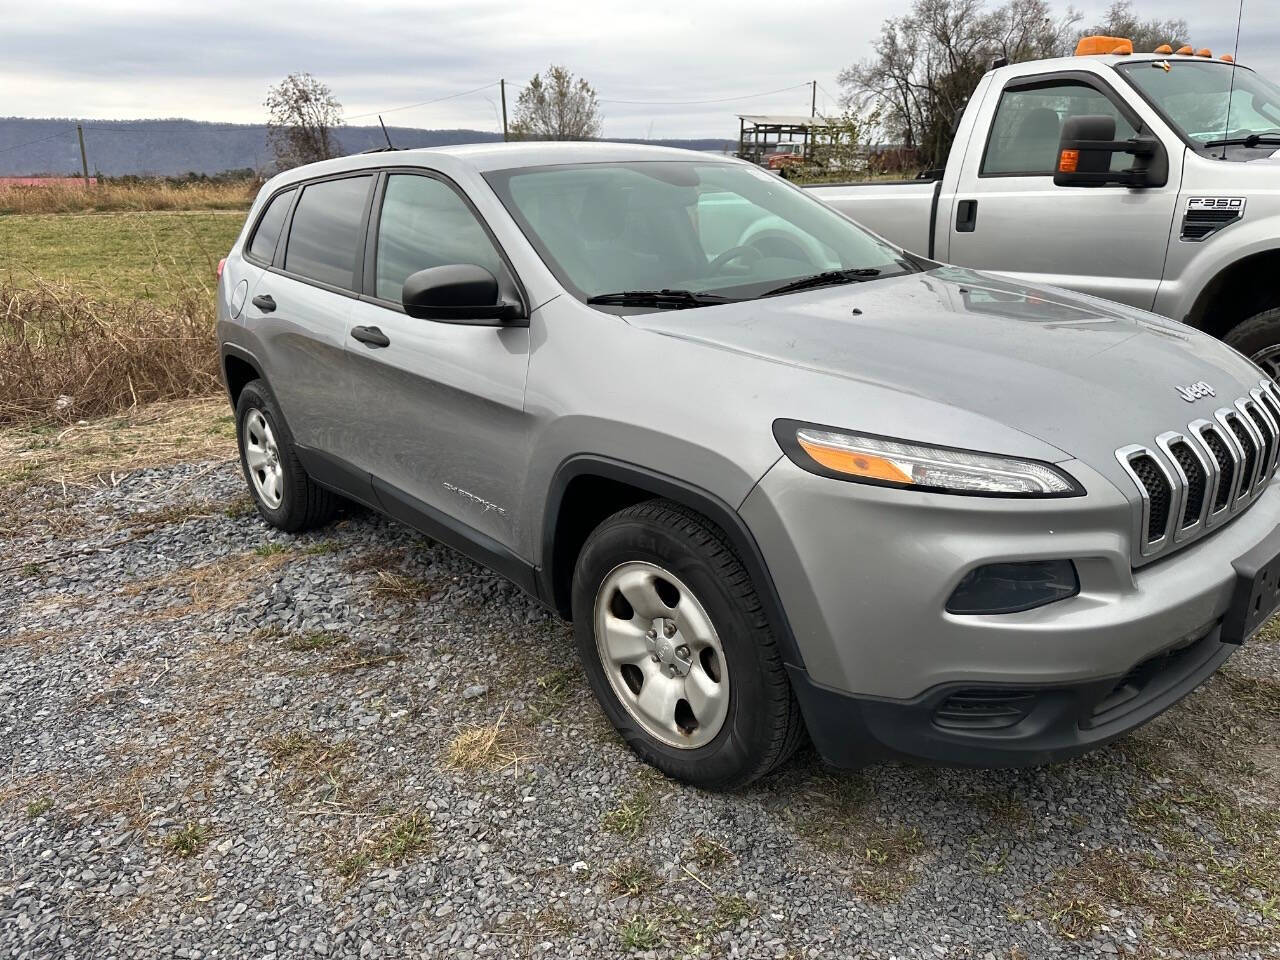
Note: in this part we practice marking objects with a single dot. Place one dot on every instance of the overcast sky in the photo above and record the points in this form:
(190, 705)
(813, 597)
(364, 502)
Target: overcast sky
(117, 60)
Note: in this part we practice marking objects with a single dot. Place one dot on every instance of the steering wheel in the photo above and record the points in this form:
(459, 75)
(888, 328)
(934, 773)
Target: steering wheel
(733, 253)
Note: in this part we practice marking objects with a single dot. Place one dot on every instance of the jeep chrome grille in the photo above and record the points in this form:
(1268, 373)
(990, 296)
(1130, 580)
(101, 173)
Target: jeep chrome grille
(1194, 480)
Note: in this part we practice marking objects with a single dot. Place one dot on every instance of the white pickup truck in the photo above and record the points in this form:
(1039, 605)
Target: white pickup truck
(1151, 179)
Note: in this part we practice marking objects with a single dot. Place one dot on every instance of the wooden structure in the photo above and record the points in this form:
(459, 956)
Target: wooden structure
(759, 133)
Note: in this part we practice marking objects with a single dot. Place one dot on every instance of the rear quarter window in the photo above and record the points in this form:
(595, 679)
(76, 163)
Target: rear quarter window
(326, 236)
(263, 245)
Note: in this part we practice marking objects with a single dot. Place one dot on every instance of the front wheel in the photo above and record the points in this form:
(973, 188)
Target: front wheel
(678, 650)
(1258, 338)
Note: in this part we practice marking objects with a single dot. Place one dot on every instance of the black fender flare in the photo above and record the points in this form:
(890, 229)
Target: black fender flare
(661, 485)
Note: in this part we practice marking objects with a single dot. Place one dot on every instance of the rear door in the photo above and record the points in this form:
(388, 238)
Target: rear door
(1009, 217)
(301, 310)
(439, 410)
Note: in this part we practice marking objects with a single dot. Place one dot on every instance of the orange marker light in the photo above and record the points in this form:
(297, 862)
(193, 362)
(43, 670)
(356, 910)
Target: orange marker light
(1091, 46)
(1164, 48)
(1068, 161)
(1204, 52)
(1228, 58)
(1184, 51)
(854, 463)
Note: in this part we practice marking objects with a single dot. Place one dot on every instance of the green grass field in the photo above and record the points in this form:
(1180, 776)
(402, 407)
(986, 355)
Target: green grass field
(150, 256)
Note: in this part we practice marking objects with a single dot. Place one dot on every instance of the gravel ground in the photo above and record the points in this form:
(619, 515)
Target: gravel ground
(227, 742)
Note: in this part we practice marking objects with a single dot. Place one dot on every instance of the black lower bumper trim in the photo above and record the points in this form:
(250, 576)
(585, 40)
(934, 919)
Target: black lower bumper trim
(1062, 721)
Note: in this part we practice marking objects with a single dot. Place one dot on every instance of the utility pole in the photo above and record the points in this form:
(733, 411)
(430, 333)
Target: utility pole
(813, 103)
(502, 84)
(84, 160)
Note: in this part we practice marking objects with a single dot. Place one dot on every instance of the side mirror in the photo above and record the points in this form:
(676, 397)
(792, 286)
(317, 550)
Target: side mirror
(1084, 156)
(457, 293)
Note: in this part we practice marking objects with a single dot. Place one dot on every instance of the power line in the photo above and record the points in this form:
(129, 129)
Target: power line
(18, 146)
(676, 103)
(410, 106)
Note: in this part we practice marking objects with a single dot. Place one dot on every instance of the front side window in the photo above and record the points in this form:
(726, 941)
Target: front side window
(325, 239)
(263, 245)
(1028, 125)
(1194, 95)
(709, 227)
(424, 223)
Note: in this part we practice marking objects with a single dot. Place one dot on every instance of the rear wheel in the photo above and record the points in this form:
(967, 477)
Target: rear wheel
(678, 650)
(1258, 338)
(284, 494)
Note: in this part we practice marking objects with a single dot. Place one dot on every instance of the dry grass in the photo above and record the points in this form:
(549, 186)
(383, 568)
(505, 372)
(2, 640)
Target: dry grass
(494, 746)
(221, 585)
(65, 356)
(155, 435)
(143, 195)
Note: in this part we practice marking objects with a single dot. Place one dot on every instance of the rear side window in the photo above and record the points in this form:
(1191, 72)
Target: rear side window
(1028, 124)
(263, 245)
(325, 238)
(424, 223)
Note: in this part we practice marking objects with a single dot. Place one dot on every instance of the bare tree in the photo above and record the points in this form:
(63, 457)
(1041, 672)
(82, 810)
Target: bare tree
(556, 106)
(1145, 34)
(302, 115)
(928, 62)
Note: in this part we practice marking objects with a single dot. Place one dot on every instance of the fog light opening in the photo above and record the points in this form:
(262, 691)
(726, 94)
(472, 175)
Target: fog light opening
(1014, 587)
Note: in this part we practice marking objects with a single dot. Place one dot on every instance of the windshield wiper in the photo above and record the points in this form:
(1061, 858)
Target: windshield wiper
(663, 299)
(1252, 140)
(827, 278)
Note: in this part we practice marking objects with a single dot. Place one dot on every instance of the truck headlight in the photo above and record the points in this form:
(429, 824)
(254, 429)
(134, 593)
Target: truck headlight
(886, 462)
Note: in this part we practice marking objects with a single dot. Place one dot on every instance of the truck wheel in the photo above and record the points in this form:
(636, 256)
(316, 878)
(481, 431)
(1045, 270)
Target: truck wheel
(1258, 338)
(678, 650)
(285, 496)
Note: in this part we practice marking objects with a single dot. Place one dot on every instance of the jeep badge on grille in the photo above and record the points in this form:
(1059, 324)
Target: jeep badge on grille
(1193, 392)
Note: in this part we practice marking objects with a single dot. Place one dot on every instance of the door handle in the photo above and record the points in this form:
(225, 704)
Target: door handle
(264, 302)
(966, 216)
(371, 336)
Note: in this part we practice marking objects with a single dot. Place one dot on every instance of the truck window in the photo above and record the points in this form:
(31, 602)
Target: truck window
(1028, 122)
(325, 237)
(425, 224)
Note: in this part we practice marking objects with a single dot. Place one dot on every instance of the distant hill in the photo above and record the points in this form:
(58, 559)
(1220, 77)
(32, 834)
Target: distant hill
(175, 147)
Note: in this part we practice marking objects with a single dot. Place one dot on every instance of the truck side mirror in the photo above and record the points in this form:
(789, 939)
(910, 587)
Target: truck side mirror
(1085, 149)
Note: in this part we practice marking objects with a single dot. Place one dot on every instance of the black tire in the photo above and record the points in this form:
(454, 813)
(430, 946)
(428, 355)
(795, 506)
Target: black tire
(304, 504)
(1258, 338)
(763, 727)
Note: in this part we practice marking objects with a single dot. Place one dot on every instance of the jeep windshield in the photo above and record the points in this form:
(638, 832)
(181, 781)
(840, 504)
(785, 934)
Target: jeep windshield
(644, 235)
(1194, 95)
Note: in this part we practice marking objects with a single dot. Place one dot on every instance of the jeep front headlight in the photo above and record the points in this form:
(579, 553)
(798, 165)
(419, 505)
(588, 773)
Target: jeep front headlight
(888, 462)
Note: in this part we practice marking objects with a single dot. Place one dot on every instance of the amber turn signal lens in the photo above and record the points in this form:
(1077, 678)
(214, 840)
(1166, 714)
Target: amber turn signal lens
(855, 463)
(1068, 161)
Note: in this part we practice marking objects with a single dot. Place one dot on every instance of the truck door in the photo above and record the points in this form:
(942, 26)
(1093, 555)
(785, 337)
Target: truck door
(1009, 217)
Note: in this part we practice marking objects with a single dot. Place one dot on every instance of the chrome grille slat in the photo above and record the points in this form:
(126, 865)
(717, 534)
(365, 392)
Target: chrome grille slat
(1191, 481)
(1241, 435)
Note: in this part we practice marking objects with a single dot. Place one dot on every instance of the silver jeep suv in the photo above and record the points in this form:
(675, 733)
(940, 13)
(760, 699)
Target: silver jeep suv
(782, 476)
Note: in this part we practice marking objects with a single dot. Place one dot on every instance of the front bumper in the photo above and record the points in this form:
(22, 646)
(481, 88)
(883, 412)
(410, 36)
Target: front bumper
(864, 574)
(1053, 723)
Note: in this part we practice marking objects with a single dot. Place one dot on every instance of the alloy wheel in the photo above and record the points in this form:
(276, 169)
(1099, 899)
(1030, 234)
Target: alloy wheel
(661, 654)
(262, 457)
(1268, 358)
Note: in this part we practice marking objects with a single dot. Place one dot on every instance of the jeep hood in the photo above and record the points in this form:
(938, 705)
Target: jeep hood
(1081, 374)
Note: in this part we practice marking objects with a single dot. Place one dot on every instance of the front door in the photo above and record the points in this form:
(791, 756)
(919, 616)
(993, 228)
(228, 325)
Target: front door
(1009, 217)
(440, 407)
